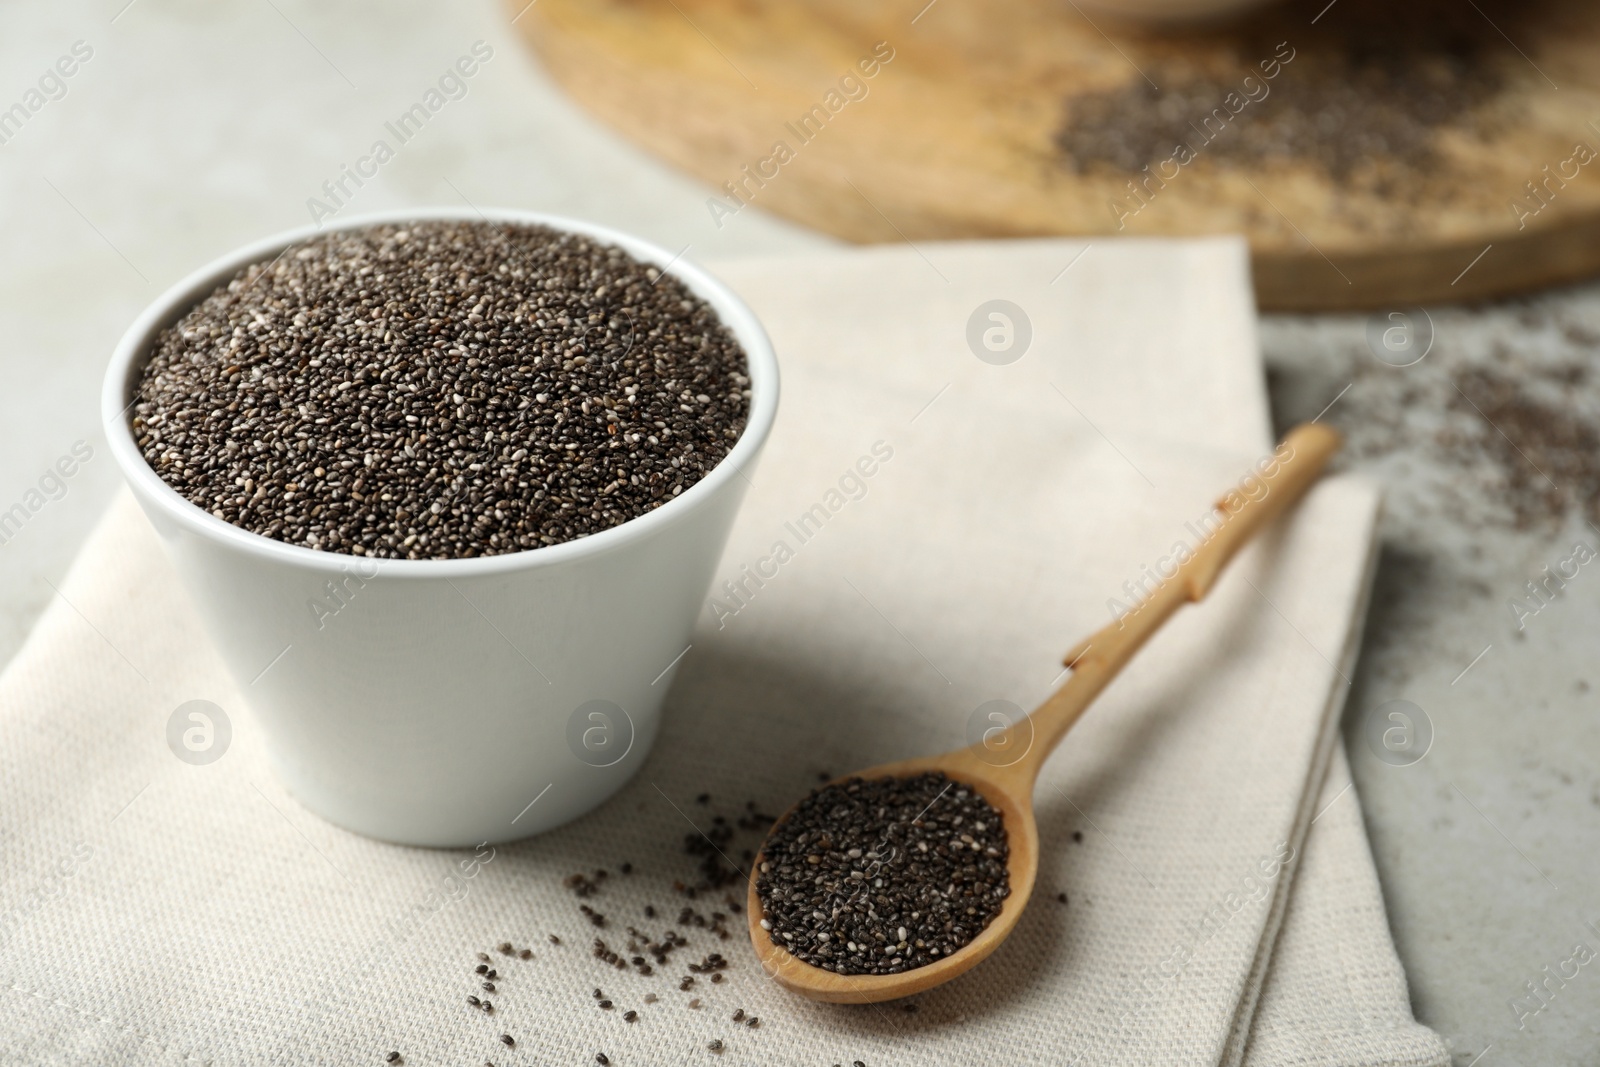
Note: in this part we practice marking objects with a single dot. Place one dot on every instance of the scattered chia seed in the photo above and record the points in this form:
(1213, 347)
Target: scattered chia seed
(525, 954)
(883, 876)
(441, 390)
(715, 1046)
(488, 987)
(630, 1016)
(393, 1057)
(606, 1005)
(474, 1001)
(554, 940)
(505, 948)
(507, 1040)
(602, 1059)
(482, 968)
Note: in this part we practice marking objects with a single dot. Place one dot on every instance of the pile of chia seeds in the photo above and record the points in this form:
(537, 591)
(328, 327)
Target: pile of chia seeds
(440, 390)
(885, 875)
(1371, 89)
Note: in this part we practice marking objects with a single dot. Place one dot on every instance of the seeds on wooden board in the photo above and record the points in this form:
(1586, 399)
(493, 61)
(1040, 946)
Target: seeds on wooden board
(1346, 103)
(883, 876)
(441, 390)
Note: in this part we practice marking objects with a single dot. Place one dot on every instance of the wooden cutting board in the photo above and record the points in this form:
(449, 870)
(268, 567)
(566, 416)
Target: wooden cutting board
(1377, 153)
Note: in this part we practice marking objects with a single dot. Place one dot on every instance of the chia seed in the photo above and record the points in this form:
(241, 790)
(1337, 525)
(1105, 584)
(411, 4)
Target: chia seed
(883, 876)
(441, 390)
(1370, 95)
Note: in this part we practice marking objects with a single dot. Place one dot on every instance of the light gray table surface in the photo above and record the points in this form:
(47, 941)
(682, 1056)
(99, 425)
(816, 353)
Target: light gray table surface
(196, 126)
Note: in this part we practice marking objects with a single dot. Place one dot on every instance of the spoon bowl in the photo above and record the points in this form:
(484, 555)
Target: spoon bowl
(1007, 781)
(1011, 799)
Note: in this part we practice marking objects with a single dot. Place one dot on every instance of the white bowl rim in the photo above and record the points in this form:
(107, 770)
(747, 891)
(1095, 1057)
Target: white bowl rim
(133, 349)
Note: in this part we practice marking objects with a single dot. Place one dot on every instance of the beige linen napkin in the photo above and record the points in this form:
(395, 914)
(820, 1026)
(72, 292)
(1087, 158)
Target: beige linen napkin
(157, 912)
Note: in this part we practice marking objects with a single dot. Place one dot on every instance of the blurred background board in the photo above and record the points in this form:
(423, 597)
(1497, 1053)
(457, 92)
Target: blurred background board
(1376, 152)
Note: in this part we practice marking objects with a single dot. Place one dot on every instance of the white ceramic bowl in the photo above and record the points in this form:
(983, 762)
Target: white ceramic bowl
(452, 702)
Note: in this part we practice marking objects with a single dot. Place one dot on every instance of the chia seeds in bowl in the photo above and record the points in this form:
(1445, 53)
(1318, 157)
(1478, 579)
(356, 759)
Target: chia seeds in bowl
(441, 390)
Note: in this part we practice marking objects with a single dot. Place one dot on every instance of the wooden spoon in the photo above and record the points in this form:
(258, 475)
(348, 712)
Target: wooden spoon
(1007, 782)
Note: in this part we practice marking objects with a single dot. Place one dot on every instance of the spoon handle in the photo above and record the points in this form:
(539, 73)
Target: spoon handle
(1239, 515)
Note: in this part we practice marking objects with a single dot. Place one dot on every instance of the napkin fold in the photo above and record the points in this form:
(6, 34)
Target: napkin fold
(1221, 906)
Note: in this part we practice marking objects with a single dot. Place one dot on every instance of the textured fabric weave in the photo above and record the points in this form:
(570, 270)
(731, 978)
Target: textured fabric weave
(156, 912)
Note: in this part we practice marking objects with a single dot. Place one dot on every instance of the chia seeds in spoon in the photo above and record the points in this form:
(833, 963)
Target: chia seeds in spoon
(884, 875)
(439, 390)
